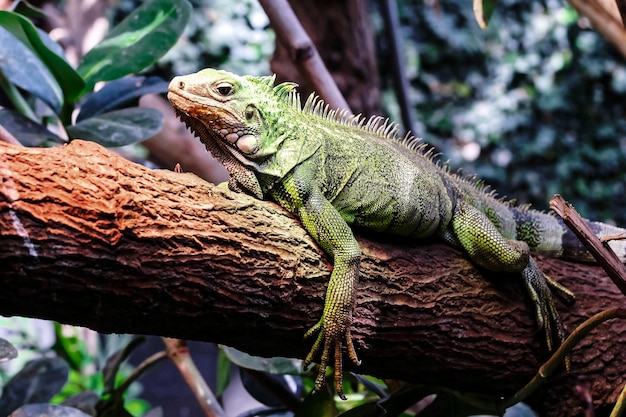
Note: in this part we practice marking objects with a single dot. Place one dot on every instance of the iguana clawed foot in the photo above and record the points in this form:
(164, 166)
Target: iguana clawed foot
(538, 286)
(331, 330)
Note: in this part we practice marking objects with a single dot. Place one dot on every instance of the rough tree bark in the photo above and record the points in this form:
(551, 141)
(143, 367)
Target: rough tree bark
(91, 239)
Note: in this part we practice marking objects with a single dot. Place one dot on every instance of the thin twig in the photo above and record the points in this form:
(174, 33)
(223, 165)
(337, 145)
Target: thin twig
(614, 237)
(303, 52)
(139, 370)
(401, 83)
(556, 360)
(178, 352)
(620, 405)
(601, 252)
(604, 22)
(621, 6)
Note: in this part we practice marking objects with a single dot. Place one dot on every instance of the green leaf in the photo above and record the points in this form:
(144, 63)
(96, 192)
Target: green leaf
(68, 79)
(320, 404)
(392, 405)
(119, 93)
(38, 381)
(22, 67)
(137, 42)
(114, 361)
(276, 365)
(223, 373)
(28, 10)
(73, 346)
(483, 9)
(120, 127)
(451, 403)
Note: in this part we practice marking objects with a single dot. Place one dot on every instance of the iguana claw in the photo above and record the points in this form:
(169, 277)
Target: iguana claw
(330, 335)
(538, 286)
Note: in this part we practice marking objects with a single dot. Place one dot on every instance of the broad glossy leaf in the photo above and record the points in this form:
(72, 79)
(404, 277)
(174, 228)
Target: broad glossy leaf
(120, 127)
(392, 405)
(270, 389)
(7, 350)
(47, 410)
(321, 404)
(23, 68)
(483, 9)
(27, 132)
(119, 93)
(136, 42)
(114, 362)
(454, 404)
(67, 78)
(275, 365)
(26, 9)
(85, 400)
(38, 381)
(223, 373)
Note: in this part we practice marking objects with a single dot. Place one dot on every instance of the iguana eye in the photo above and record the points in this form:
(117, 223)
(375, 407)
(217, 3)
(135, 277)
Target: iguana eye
(249, 112)
(225, 89)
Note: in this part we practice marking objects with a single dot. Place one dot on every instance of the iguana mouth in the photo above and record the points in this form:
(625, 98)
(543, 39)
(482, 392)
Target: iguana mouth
(212, 140)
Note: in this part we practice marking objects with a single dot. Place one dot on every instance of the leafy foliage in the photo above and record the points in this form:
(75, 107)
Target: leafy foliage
(234, 36)
(35, 71)
(534, 104)
(70, 374)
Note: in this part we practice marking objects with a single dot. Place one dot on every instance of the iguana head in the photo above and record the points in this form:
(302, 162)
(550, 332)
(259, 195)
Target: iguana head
(249, 116)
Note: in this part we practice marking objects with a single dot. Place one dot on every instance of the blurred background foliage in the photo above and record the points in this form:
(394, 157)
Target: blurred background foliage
(534, 105)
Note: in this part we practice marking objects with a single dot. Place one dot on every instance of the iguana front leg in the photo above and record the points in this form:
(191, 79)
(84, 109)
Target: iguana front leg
(325, 224)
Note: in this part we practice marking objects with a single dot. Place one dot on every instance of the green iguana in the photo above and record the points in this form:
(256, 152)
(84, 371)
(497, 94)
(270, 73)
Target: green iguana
(334, 171)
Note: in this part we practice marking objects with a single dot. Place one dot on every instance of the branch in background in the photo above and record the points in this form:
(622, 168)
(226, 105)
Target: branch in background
(178, 352)
(303, 52)
(605, 22)
(401, 83)
(601, 252)
(621, 6)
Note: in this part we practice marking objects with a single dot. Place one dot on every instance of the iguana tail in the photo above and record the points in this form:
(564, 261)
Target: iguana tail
(546, 233)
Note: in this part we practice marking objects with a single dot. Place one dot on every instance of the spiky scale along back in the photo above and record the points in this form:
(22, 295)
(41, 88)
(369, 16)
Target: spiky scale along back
(542, 231)
(382, 127)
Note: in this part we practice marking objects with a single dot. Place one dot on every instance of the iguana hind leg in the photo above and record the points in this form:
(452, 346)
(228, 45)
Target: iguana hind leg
(486, 246)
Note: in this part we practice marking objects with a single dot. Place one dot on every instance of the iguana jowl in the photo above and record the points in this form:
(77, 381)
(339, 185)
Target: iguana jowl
(335, 171)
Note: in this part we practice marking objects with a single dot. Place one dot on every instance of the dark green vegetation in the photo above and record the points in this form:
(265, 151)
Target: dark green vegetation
(540, 93)
(35, 69)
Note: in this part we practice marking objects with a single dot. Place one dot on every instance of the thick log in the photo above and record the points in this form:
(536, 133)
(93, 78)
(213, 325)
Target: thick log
(90, 239)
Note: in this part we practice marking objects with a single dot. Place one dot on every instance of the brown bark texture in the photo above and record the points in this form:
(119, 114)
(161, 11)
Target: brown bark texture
(91, 239)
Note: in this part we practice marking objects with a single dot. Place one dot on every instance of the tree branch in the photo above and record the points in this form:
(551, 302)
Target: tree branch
(91, 239)
(303, 52)
(607, 21)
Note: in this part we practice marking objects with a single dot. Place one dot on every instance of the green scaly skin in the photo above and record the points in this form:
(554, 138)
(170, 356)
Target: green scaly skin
(334, 172)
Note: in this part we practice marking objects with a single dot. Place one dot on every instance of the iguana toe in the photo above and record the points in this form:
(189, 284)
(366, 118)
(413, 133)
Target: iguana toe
(329, 342)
